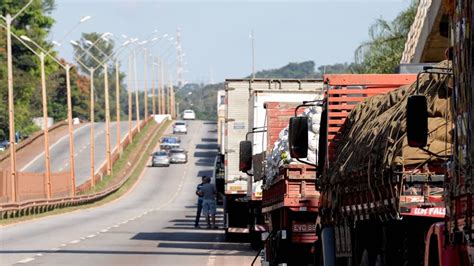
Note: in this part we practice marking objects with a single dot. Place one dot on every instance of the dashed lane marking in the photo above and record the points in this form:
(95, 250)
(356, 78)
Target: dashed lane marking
(75, 241)
(26, 260)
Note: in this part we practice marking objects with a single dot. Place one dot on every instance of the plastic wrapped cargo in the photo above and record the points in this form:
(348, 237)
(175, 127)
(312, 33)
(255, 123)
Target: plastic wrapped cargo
(280, 155)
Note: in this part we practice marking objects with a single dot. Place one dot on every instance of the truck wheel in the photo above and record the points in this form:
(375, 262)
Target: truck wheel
(365, 259)
(256, 241)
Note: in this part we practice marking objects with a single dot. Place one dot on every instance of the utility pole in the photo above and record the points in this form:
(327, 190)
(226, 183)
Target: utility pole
(252, 36)
(117, 105)
(179, 61)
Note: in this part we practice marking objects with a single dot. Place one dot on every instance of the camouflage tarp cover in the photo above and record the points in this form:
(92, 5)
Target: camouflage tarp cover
(374, 134)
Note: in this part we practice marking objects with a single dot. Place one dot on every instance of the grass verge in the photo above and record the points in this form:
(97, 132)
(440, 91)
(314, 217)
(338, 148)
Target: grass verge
(134, 175)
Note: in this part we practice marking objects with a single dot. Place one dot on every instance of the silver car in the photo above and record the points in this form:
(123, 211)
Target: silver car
(178, 155)
(160, 158)
(180, 127)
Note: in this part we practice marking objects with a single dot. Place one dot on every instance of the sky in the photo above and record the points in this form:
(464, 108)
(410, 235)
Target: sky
(215, 35)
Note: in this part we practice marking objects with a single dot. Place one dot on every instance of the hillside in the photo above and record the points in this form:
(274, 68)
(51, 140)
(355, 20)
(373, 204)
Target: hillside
(203, 98)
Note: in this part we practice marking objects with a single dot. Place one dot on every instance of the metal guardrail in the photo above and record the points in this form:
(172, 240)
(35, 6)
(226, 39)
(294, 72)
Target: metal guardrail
(29, 207)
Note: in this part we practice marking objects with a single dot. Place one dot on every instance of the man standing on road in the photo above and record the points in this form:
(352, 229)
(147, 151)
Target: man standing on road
(209, 202)
(199, 207)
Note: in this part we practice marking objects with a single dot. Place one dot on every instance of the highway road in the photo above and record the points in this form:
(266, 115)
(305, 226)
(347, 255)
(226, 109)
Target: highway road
(151, 225)
(59, 151)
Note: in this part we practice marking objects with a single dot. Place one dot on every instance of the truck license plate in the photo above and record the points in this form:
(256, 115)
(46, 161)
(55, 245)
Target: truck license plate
(302, 228)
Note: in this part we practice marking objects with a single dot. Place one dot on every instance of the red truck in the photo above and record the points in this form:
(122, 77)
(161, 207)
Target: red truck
(451, 242)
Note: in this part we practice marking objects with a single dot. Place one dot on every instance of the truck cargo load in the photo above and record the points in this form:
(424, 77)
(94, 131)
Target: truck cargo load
(371, 177)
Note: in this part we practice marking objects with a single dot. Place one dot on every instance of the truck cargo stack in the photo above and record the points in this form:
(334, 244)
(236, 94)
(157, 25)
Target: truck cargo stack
(378, 195)
(290, 198)
(246, 120)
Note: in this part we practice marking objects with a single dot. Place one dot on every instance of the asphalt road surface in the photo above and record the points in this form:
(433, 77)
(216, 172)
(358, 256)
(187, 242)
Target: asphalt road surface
(59, 151)
(151, 225)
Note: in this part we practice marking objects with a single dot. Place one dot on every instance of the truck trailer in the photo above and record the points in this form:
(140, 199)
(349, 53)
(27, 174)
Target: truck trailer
(379, 196)
(246, 120)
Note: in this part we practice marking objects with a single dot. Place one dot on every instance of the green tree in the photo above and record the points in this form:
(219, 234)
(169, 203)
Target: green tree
(34, 22)
(382, 53)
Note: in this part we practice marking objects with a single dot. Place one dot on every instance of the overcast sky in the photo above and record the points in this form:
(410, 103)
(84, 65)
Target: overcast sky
(215, 34)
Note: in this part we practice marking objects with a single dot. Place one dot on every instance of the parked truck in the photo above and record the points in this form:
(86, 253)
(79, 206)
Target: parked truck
(379, 196)
(246, 120)
(451, 242)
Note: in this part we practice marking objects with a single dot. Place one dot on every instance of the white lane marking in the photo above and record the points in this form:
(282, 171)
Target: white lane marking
(211, 261)
(75, 241)
(26, 260)
(91, 236)
(62, 245)
(39, 255)
(104, 230)
(51, 147)
(115, 226)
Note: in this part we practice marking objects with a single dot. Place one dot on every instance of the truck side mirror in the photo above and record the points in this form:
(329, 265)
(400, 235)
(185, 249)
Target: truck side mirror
(245, 156)
(417, 121)
(298, 137)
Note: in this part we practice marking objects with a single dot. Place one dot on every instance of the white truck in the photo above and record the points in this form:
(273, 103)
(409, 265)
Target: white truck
(245, 119)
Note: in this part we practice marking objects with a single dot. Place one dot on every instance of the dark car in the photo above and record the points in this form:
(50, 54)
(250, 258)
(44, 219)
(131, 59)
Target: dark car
(168, 143)
(178, 155)
(160, 158)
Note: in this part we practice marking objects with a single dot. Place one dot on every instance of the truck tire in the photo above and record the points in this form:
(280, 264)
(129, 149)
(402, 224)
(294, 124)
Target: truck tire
(256, 240)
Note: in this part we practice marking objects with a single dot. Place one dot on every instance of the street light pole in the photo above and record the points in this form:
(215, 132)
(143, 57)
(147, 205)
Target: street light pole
(71, 131)
(92, 131)
(117, 105)
(107, 119)
(137, 101)
(11, 107)
(153, 88)
(46, 130)
(145, 89)
(129, 89)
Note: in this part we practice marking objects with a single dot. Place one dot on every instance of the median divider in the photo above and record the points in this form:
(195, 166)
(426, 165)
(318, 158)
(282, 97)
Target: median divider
(32, 207)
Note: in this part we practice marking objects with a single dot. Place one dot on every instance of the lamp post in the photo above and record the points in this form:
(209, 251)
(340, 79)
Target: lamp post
(103, 64)
(11, 107)
(42, 56)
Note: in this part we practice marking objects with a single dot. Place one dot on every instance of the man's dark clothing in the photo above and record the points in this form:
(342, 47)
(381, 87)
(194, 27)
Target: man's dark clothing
(199, 206)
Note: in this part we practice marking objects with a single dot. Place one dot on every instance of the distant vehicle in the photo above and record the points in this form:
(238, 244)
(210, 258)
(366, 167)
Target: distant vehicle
(160, 158)
(189, 115)
(4, 145)
(180, 127)
(178, 155)
(168, 143)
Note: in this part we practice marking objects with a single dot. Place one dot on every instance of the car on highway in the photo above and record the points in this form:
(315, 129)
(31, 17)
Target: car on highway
(4, 145)
(168, 143)
(178, 155)
(180, 127)
(160, 158)
(189, 115)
